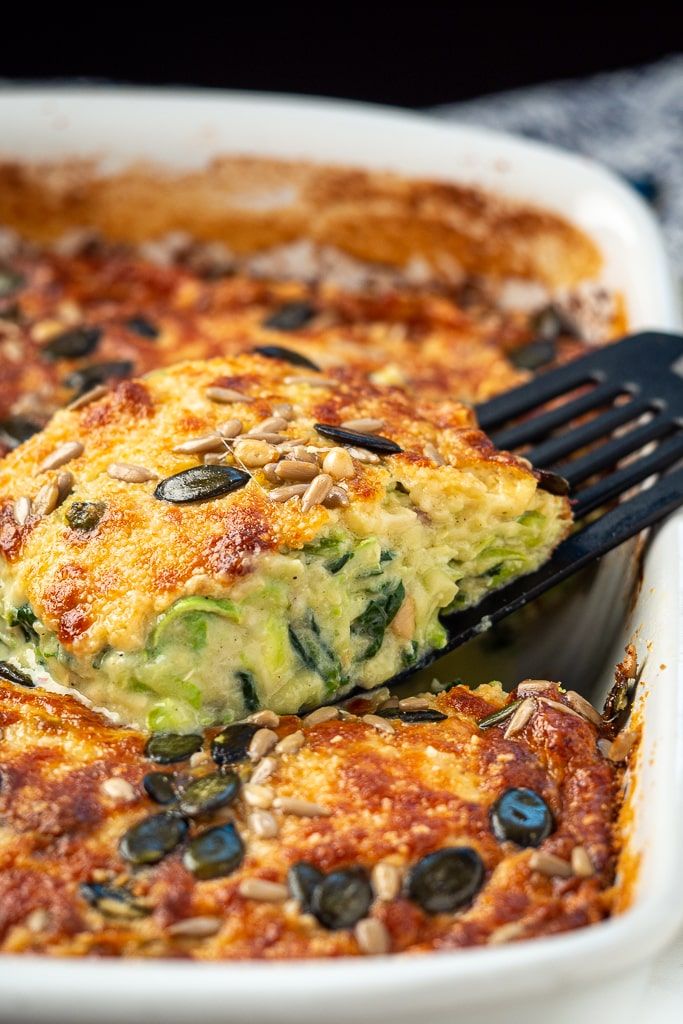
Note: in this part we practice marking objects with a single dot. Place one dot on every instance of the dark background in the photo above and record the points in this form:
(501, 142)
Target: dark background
(411, 56)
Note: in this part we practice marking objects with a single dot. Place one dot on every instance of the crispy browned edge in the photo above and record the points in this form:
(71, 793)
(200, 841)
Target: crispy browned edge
(252, 203)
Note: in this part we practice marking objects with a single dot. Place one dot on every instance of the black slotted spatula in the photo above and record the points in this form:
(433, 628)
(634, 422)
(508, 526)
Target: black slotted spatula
(628, 400)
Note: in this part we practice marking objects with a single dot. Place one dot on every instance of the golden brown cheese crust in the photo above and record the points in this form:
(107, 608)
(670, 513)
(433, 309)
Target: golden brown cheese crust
(392, 797)
(104, 585)
(422, 340)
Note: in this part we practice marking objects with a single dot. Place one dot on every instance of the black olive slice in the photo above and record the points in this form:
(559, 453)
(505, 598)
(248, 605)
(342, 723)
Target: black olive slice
(167, 747)
(534, 355)
(302, 878)
(16, 430)
(73, 344)
(112, 901)
(286, 355)
(160, 787)
(371, 442)
(208, 793)
(412, 716)
(98, 373)
(85, 515)
(552, 483)
(142, 326)
(217, 852)
(200, 483)
(342, 898)
(290, 317)
(231, 746)
(522, 817)
(446, 880)
(151, 839)
(14, 675)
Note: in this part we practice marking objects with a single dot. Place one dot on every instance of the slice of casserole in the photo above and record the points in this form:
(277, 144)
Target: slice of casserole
(224, 536)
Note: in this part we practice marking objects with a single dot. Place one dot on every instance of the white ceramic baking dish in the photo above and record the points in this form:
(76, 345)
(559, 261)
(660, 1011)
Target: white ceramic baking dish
(596, 973)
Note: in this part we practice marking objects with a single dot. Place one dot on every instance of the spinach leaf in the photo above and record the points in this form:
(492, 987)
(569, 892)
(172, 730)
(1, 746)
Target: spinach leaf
(315, 654)
(379, 612)
(25, 618)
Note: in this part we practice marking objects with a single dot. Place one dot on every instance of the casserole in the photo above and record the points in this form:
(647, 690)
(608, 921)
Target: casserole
(514, 976)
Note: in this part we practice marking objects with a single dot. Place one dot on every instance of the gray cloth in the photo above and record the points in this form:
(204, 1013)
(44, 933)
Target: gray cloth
(630, 120)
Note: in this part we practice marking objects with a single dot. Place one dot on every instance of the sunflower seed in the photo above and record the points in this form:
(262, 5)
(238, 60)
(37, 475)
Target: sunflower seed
(528, 686)
(22, 510)
(506, 933)
(130, 473)
(263, 770)
(270, 474)
(285, 410)
(558, 706)
(263, 824)
(65, 483)
(291, 744)
(214, 458)
(386, 881)
(119, 790)
(550, 865)
(195, 927)
(363, 425)
(291, 470)
(62, 454)
(262, 742)
(266, 718)
(273, 425)
(226, 395)
(285, 493)
(316, 492)
(621, 747)
(337, 498)
(321, 715)
(581, 863)
(378, 723)
(99, 391)
(231, 428)
(258, 796)
(313, 382)
(300, 807)
(199, 445)
(414, 703)
(372, 937)
(46, 499)
(262, 890)
(583, 707)
(254, 452)
(403, 623)
(362, 455)
(38, 920)
(434, 454)
(520, 718)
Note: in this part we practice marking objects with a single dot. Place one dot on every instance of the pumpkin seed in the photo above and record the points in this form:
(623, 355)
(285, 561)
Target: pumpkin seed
(342, 899)
(151, 839)
(231, 746)
(286, 355)
(371, 442)
(497, 717)
(142, 326)
(200, 483)
(290, 317)
(168, 747)
(74, 343)
(552, 483)
(111, 901)
(160, 787)
(85, 515)
(14, 675)
(88, 377)
(521, 816)
(446, 880)
(302, 878)
(534, 355)
(206, 794)
(413, 717)
(217, 852)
